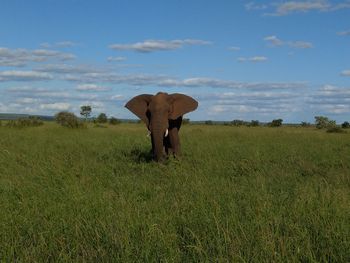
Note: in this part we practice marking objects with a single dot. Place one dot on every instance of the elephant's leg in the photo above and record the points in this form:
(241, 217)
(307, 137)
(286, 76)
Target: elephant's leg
(167, 145)
(175, 141)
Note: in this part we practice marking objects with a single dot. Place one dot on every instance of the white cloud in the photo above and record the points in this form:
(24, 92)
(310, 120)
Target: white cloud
(116, 59)
(91, 87)
(344, 33)
(300, 44)
(234, 48)
(253, 59)
(345, 73)
(254, 6)
(158, 45)
(27, 100)
(61, 44)
(21, 57)
(117, 97)
(67, 69)
(15, 75)
(274, 41)
(61, 106)
(299, 6)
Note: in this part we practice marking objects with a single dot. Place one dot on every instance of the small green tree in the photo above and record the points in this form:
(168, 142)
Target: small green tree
(254, 123)
(185, 121)
(114, 121)
(68, 119)
(237, 122)
(208, 122)
(323, 122)
(85, 111)
(345, 125)
(276, 123)
(305, 124)
(102, 118)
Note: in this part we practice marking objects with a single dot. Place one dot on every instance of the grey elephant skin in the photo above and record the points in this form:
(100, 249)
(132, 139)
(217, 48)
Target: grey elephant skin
(162, 113)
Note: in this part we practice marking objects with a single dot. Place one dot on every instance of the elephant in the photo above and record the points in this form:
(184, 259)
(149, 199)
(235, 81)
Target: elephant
(162, 113)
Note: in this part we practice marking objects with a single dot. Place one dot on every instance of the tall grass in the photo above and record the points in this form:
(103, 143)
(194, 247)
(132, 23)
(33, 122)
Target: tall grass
(237, 195)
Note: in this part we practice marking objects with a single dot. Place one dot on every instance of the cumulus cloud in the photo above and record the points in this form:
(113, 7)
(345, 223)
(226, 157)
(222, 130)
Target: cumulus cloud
(67, 69)
(344, 33)
(116, 59)
(91, 87)
(27, 100)
(61, 44)
(158, 45)
(300, 6)
(274, 41)
(234, 48)
(21, 57)
(345, 73)
(331, 99)
(253, 59)
(16, 75)
(58, 106)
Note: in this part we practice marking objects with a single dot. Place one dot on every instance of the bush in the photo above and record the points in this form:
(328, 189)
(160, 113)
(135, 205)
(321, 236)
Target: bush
(102, 118)
(254, 123)
(345, 125)
(305, 124)
(275, 123)
(31, 121)
(185, 121)
(114, 121)
(323, 122)
(335, 129)
(68, 119)
(238, 123)
(208, 122)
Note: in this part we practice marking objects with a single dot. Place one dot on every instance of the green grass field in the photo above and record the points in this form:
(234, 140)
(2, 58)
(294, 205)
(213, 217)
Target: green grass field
(237, 195)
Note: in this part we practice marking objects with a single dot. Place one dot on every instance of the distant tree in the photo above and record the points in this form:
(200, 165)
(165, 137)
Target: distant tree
(114, 121)
(237, 122)
(185, 121)
(85, 111)
(208, 122)
(305, 124)
(276, 123)
(345, 125)
(68, 119)
(323, 122)
(102, 118)
(254, 123)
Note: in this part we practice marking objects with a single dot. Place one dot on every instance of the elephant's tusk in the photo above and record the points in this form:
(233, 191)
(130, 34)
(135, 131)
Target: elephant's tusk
(148, 133)
(166, 133)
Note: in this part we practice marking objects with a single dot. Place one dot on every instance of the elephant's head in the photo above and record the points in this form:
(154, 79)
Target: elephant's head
(156, 111)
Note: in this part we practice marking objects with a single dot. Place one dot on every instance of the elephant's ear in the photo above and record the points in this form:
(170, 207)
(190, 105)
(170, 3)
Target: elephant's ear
(139, 106)
(181, 104)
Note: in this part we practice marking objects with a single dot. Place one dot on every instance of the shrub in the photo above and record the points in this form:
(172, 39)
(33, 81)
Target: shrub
(275, 123)
(335, 129)
(345, 125)
(102, 118)
(323, 122)
(68, 119)
(208, 122)
(238, 123)
(305, 124)
(31, 121)
(185, 121)
(254, 123)
(114, 121)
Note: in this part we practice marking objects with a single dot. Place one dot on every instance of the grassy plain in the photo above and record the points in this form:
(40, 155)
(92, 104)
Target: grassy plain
(237, 195)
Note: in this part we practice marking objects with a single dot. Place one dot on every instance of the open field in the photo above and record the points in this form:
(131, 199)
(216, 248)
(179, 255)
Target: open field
(237, 195)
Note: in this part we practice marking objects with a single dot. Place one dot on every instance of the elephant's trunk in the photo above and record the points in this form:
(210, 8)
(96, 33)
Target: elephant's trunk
(158, 133)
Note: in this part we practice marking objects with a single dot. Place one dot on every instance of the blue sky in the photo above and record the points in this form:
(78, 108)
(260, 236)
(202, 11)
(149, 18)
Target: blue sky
(240, 59)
